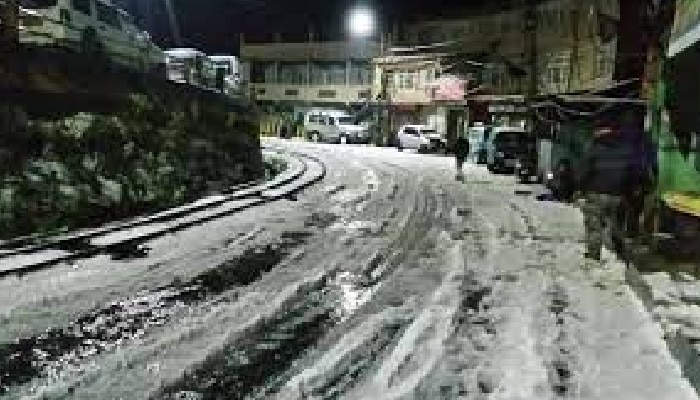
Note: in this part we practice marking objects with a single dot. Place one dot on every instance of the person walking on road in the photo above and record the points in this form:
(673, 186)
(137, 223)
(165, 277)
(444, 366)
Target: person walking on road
(604, 180)
(641, 183)
(461, 153)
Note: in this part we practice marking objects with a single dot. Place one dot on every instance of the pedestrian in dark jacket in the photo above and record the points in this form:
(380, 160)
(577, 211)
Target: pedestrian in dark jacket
(643, 172)
(461, 153)
(565, 186)
(605, 179)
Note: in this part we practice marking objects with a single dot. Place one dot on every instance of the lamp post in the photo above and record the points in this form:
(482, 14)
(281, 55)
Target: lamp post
(531, 27)
(172, 20)
(362, 24)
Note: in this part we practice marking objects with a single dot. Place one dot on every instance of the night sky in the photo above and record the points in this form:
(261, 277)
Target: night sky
(215, 25)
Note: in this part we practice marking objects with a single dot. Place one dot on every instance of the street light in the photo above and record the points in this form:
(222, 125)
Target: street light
(361, 23)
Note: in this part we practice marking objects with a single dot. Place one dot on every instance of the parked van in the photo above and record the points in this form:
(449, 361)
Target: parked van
(90, 27)
(334, 127)
(504, 146)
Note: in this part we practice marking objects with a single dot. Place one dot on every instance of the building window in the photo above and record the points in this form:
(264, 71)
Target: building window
(328, 74)
(506, 25)
(360, 73)
(454, 33)
(431, 75)
(548, 20)
(262, 72)
(291, 92)
(605, 61)
(467, 29)
(407, 80)
(423, 34)
(563, 21)
(326, 94)
(486, 26)
(555, 76)
(292, 73)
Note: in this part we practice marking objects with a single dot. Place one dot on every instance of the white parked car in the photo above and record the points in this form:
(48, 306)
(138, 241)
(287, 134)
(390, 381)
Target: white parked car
(421, 138)
(89, 26)
(334, 127)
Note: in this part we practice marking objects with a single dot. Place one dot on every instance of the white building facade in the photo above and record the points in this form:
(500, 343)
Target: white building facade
(310, 73)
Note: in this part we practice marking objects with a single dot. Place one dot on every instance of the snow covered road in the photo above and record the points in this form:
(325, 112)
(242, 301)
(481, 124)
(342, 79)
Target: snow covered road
(387, 280)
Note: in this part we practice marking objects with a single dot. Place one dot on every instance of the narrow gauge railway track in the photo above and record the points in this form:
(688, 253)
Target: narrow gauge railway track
(18, 257)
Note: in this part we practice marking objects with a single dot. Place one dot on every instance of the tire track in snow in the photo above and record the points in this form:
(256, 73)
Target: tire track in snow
(421, 345)
(410, 233)
(302, 336)
(122, 321)
(483, 334)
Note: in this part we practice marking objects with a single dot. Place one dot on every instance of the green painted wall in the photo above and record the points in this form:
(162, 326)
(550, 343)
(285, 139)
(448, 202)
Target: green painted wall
(678, 172)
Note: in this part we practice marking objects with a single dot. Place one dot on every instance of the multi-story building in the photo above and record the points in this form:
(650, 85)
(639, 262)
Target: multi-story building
(491, 53)
(416, 89)
(311, 73)
(574, 53)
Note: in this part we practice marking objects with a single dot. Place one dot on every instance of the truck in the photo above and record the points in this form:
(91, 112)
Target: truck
(90, 27)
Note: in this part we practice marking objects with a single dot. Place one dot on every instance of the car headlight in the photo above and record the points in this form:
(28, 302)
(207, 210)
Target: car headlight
(550, 176)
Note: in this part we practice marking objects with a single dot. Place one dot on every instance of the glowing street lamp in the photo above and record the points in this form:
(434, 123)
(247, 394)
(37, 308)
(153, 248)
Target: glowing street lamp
(362, 23)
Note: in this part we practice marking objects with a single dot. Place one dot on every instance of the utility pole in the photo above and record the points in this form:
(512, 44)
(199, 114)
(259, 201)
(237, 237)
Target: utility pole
(174, 27)
(632, 41)
(531, 25)
(383, 114)
(9, 25)
(574, 58)
(641, 31)
(659, 22)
